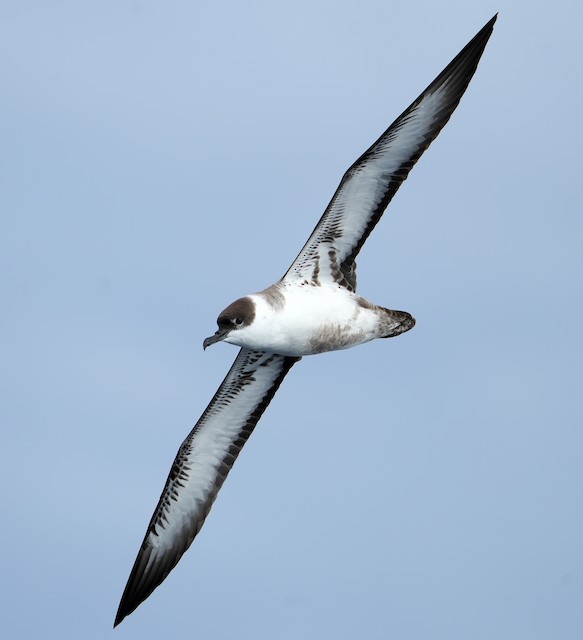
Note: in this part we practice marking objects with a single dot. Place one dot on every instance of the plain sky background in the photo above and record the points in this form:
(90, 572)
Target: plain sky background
(160, 159)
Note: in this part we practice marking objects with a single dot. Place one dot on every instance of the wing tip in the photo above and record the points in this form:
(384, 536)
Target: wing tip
(486, 30)
(122, 612)
(135, 592)
(133, 596)
(125, 608)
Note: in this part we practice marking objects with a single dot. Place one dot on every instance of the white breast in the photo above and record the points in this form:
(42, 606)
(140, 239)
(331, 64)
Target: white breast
(308, 320)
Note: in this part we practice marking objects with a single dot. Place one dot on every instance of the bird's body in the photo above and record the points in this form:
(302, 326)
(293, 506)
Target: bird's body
(314, 308)
(305, 319)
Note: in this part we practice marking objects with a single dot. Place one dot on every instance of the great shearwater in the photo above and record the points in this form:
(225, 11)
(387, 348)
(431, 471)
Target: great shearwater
(313, 308)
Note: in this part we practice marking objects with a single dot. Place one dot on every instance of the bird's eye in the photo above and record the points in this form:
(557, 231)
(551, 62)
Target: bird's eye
(238, 321)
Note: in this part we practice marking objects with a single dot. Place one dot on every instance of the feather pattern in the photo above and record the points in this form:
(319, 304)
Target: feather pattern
(200, 468)
(371, 182)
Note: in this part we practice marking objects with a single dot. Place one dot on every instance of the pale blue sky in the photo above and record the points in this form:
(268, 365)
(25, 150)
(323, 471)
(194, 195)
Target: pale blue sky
(158, 160)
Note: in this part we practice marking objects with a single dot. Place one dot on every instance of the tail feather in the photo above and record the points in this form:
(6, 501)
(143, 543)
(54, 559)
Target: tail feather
(396, 322)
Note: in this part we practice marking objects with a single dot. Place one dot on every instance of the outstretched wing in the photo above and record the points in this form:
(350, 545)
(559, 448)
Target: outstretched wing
(370, 183)
(200, 468)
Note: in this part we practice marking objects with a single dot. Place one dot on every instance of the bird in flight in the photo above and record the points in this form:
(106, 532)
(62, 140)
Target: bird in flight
(312, 309)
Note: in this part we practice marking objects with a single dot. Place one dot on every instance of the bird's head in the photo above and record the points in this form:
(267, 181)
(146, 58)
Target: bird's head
(238, 315)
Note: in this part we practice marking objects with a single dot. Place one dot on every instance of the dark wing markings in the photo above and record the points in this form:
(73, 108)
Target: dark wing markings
(200, 468)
